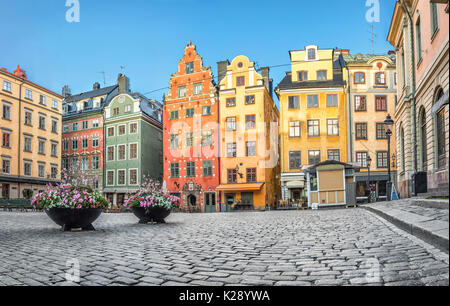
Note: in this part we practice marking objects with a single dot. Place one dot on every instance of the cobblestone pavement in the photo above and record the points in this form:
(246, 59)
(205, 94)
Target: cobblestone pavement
(327, 247)
(407, 205)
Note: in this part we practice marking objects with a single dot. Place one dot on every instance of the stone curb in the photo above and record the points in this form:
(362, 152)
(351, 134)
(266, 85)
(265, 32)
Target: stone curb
(426, 235)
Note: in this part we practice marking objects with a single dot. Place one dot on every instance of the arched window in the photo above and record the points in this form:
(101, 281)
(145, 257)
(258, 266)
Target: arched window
(423, 138)
(402, 148)
(440, 132)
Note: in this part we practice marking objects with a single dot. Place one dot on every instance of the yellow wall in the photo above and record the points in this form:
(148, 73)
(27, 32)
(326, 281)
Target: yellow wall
(299, 62)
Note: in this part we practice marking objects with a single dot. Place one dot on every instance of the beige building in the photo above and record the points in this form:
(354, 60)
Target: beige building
(371, 93)
(30, 128)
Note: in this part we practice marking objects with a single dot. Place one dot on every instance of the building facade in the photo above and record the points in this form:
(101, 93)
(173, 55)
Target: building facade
(314, 116)
(30, 127)
(371, 93)
(133, 143)
(83, 134)
(249, 121)
(420, 33)
(191, 135)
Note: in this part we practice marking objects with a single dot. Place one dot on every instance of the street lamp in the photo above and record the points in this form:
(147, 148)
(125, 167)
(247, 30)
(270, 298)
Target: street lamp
(388, 123)
(369, 161)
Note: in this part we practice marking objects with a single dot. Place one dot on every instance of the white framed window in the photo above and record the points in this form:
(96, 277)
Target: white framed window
(121, 152)
(110, 177)
(95, 142)
(55, 104)
(121, 130)
(111, 131)
(28, 94)
(121, 177)
(133, 154)
(110, 153)
(198, 88)
(95, 123)
(133, 128)
(6, 110)
(7, 86)
(42, 100)
(133, 177)
(294, 129)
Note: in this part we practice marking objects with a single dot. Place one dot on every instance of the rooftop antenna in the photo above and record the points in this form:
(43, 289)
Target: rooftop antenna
(372, 38)
(122, 68)
(104, 77)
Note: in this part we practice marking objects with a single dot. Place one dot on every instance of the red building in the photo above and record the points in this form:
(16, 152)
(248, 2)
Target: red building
(191, 135)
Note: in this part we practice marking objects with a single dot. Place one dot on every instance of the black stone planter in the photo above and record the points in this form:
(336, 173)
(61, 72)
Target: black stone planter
(74, 218)
(152, 214)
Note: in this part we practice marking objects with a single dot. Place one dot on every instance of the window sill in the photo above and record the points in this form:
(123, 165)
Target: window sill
(6, 119)
(8, 91)
(5, 147)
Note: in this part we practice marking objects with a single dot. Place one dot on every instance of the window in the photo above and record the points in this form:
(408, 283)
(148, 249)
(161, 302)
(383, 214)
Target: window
(294, 102)
(251, 148)
(332, 127)
(361, 159)
(360, 104)
(133, 177)
(380, 78)
(95, 123)
(116, 111)
(42, 122)
(434, 18)
(232, 176)
(54, 149)
(361, 131)
(240, 81)
(127, 108)
(74, 163)
(121, 130)
(380, 104)
(251, 175)
(110, 151)
(295, 160)
(6, 114)
(6, 139)
(294, 129)
(206, 110)
(189, 67)
(55, 104)
(303, 76)
(110, 178)
(250, 122)
(313, 128)
(65, 128)
(231, 149)
(41, 170)
(75, 126)
(42, 100)
(190, 112)
(181, 91)
(189, 139)
(334, 154)
(121, 152)
(231, 124)
(418, 41)
(311, 54)
(85, 143)
(41, 147)
(381, 130)
(54, 126)
(6, 166)
(423, 139)
(65, 145)
(207, 168)
(441, 147)
(231, 102)
(198, 89)
(133, 151)
(382, 159)
(174, 170)
(84, 163)
(7, 86)
(54, 172)
(111, 132)
(359, 78)
(174, 141)
(95, 142)
(190, 169)
(249, 99)
(95, 162)
(65, 163)
(322, 75)
(332, 100)
(85, 125)
(313, 101)
(28, 118)
(207, 138)
(313, 157)
(74, 144)
(133, 128)
(27, 144)
(27, 168)
(173, 115)
(120, 177)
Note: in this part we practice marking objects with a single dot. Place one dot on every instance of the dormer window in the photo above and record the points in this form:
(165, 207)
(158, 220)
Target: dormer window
(311, 54)
(302, 75)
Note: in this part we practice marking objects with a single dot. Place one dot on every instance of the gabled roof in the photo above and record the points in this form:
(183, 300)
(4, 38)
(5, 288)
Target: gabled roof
(151, 108)
(90, 94)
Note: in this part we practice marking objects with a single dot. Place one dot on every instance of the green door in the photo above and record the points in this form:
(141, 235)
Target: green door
(210, 202)
(247, 200)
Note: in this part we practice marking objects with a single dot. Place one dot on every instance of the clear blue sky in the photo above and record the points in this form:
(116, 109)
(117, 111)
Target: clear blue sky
(148, 36)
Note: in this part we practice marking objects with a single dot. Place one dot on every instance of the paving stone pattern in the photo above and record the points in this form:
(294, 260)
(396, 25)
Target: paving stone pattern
(285, 248)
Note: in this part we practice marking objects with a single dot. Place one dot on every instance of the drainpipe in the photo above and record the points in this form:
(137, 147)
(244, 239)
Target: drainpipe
(350, 117)
(413, 92)
(19, 139)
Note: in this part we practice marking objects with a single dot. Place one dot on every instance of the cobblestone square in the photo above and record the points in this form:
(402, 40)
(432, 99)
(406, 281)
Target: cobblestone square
(282, 248)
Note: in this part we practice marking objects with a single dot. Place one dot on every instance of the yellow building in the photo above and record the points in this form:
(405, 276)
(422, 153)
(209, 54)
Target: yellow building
(314, 119)
(30, 127)
(249, 121)
(371, 92)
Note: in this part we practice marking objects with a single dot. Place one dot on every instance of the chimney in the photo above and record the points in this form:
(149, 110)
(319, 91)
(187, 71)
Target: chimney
(222, 70)
(96, 86)
(345, 51)
(66, 91)
(267, 81)
(124, 83)
(20, 73)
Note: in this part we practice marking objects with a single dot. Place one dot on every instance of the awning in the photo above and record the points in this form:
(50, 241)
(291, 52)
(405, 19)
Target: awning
(295, 184)
(240, 187)
(440, 103)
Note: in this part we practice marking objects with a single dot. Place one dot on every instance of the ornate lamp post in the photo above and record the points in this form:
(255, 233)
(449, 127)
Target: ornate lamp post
(369, 161)
(388, 125)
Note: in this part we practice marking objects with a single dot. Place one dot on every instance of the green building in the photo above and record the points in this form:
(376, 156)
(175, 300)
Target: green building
(133, 143)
